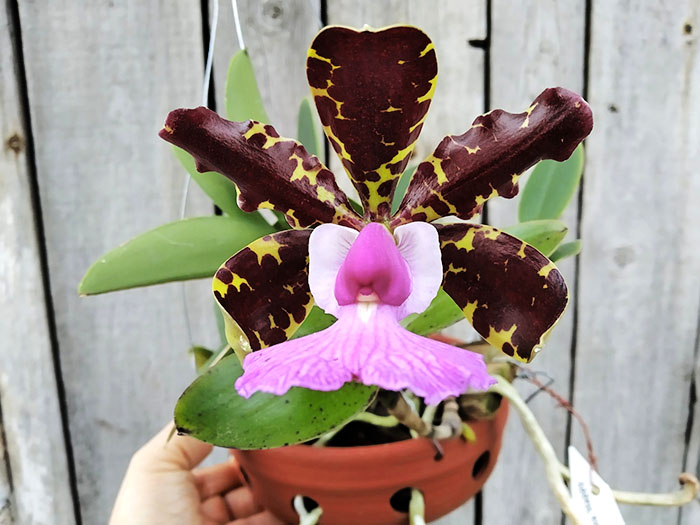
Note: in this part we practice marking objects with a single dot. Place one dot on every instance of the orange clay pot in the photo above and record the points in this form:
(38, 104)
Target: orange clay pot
(355, 485)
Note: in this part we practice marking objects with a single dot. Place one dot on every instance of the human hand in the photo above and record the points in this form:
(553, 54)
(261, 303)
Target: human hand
(161, 487)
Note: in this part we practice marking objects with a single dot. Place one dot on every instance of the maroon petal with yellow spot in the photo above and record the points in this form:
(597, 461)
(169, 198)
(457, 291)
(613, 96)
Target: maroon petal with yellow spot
(269, 171)
(372, 90)
(486, 161)
(510, 293)
(264, 289)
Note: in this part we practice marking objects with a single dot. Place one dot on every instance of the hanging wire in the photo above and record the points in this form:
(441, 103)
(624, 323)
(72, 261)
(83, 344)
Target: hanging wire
(188, 179)
(237, 23)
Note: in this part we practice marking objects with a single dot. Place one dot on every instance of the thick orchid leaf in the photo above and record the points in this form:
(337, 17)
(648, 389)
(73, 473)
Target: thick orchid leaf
(568, 249)
(316, 321)
(264, 288)
(243, 100)
(372, 89)
(401, 188)
(211, 410)
(201, 357)
(186, 249)
(550, 187)
(510, 293)
(441, 313)
(219, 189)
(307, 132)
(269, 171)
(486, 161)
(544, 235)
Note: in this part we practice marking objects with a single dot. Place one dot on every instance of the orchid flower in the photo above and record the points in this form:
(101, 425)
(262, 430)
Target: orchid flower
(372, 89)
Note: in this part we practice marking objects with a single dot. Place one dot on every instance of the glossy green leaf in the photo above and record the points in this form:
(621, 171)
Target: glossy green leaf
(441, 313)
(211, 410)
(186, 249)
(307, 131)
(568, 249)
(401, 188)
(316, 321)
(545, 235)
(550, 187)
(219, 189)
(243, 100)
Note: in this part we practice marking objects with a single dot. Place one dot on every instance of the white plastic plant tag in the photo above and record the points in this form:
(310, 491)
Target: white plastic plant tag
(598, 508)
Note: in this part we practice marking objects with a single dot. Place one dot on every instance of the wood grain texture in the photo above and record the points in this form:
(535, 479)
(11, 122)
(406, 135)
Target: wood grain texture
(35, 482)
(458, 98)
(277, 35)
(639, 276)
(101, 78)
(534, 45)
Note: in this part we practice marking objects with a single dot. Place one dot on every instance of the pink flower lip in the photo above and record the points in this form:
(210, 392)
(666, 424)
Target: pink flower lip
(373, 268)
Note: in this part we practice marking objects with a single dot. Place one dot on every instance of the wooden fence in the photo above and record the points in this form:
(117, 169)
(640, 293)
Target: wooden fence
(85, 86)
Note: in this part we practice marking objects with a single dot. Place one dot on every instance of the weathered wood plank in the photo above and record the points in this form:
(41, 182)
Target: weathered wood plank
(639, 276)
(690, 514)
(31, 419)
(277, 35)
(534, 45)
(459, 96)
(101, 78)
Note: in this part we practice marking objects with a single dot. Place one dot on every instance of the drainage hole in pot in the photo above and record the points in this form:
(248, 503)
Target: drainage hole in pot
(401, 499)
(309, 503)
(245, 476)
(481, 464)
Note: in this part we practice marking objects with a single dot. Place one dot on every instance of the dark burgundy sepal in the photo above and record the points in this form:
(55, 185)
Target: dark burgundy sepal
(264, 287)
(510, 293)
(486, 161)
(372, 89)
(270, 171)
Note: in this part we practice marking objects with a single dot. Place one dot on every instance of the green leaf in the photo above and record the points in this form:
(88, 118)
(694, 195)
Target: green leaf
(568, 249)
(186, 249)
(545, 235)
(219, 189)
(550, 188)
(211, 410)
(441, 313)
(243, 100)
(316, 321)
(201, 357)
(307, 132)
(401, 188)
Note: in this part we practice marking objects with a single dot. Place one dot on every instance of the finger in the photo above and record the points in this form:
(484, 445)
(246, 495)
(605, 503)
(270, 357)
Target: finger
(241, 503)
(263, 518)
(217, 479)
(215, 509)
(181, 452)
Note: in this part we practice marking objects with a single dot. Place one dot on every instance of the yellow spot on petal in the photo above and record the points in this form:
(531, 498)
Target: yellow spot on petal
(544, 271)
(500, 337)
(471, 151)
(521, 251)
(267, 246)
(324, 195)
(469, 310)
(219, 286)
(526, 122)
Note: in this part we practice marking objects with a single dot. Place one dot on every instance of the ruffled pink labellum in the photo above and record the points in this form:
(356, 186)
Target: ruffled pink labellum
(370, 281)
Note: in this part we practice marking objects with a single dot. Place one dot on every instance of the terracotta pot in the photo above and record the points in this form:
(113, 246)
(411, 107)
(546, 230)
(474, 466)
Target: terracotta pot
(363, 485)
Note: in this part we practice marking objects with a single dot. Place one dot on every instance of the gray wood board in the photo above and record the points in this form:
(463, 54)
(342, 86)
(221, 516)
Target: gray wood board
(101, 79)
(534, 45)
(31, 422)
(458, 98)
(639, 277)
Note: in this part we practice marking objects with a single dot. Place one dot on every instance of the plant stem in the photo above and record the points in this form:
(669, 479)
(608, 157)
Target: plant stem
(416, 508)
(557, 472)
(544, 447)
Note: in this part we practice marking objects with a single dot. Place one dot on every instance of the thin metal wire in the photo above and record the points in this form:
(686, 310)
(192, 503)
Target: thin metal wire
(188, 179)
(237, 23)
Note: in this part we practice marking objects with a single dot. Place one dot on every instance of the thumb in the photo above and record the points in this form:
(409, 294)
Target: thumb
(179, 452)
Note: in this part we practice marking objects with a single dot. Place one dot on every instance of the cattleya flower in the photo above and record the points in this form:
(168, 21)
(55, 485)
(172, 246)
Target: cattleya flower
(372, 89)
